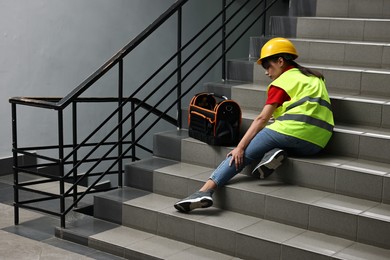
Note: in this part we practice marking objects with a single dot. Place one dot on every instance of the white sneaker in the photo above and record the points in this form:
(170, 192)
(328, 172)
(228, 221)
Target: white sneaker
(271, 160)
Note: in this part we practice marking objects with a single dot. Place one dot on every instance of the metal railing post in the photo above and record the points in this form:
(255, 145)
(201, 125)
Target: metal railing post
(74, 129)
(133, 149)
(15, 164)
(120, 118)
(61, 165)
(179, 55)
(224, 40)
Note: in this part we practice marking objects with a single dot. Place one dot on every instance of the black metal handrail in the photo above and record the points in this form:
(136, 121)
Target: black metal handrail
(126, 142)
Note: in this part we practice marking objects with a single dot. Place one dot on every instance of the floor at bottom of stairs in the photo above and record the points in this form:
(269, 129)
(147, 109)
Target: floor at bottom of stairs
(34, 237)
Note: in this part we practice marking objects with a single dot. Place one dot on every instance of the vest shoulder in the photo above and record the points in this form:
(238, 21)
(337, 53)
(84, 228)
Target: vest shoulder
(294, 76)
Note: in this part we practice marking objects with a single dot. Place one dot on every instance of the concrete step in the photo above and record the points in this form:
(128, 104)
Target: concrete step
(131, 243)
(340, 8)
(235, 234)
(353, 8)
(356, 178)
(347, 175)
(351, 29)
(360, 142)
(335, 52)
(345, 53)
(330, 28)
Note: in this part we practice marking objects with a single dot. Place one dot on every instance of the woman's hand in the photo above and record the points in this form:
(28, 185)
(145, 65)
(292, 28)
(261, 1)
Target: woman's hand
(237, 157)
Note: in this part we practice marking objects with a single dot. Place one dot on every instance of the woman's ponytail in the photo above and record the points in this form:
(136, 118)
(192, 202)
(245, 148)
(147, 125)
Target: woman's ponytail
(306, 71)
(289, 59)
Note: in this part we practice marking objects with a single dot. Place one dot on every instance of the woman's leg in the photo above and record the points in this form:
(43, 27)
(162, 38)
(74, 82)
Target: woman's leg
(260, 144)
(292, 145)
(264, 141)
(285, 145)
(209, 185)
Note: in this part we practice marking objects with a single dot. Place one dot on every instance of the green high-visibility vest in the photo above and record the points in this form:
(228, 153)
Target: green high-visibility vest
(308, 115)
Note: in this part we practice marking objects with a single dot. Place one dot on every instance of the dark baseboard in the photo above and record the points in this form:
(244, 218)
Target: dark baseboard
(6, 163)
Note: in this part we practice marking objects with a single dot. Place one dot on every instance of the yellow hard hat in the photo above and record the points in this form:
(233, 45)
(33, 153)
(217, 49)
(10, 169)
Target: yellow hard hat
(276, 46)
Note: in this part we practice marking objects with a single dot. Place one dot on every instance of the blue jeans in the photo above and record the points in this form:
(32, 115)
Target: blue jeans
(263, 142)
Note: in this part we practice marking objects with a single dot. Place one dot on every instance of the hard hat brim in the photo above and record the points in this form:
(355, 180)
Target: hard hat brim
(276, 46)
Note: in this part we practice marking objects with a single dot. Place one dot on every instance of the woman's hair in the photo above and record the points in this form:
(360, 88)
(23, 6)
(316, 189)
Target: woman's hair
(290, 61)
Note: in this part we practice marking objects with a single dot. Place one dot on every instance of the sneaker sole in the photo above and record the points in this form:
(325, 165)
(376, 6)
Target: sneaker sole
(188, 205)
(262, 172)
(266, 168)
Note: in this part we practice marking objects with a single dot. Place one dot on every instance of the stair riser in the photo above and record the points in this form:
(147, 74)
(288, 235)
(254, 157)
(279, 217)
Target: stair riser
(336, 178)
(353, 8)
(123, 252)
(361, 113)
(374, 232)
(110, 248)
(140, 173)
(240, 70)
(340, 8)
(332, 29)
(356, 29)
(114, 215)
(250, 96)
(360, 146)
(346, 54)
(170, 140)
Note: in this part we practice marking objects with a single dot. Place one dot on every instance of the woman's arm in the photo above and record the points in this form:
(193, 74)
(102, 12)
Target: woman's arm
(258, 123)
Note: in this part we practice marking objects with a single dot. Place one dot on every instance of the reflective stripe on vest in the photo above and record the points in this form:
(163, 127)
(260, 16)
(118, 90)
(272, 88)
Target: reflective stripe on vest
(307, 120)
(320, 101)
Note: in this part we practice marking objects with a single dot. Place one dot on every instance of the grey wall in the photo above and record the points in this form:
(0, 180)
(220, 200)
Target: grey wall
(48, 47)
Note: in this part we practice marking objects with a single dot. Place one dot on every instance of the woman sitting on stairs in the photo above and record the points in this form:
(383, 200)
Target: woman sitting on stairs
(299, 103)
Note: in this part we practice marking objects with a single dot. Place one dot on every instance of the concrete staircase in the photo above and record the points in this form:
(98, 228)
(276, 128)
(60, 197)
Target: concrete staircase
(332, 206)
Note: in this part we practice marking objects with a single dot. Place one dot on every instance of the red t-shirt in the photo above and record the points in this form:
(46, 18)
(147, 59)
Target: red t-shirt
(277, 95)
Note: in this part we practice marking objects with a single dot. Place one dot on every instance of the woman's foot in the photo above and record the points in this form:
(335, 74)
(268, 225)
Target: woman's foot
(271, 160)
(200, 199)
